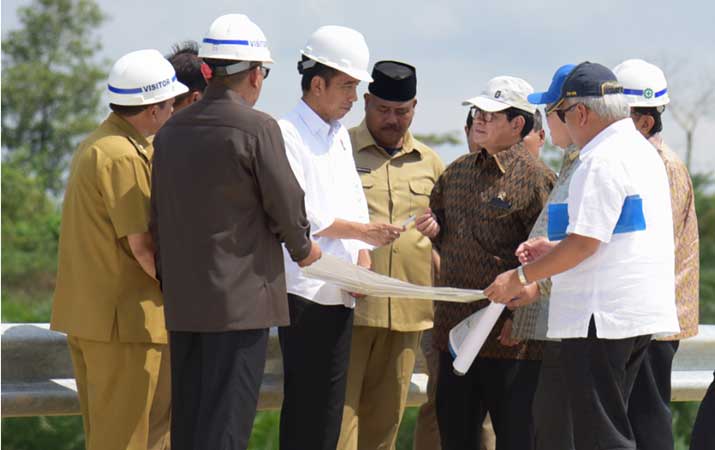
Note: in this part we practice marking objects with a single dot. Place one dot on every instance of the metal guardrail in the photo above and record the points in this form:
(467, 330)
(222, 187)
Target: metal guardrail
(37, 375)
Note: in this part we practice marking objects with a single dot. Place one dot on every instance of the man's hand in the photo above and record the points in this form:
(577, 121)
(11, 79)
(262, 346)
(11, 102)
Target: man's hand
(529, 294)
(505, 335)
(365, 261)
(504, 288)
(313, 256)
(379, 234)
(533, 249)
(427, 224)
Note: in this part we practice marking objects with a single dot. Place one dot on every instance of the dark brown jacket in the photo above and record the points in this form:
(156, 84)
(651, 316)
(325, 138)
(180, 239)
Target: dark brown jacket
(223, 199)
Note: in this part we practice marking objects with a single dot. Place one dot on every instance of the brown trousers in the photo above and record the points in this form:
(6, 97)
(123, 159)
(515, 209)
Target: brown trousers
(124, 392)
(381, 365)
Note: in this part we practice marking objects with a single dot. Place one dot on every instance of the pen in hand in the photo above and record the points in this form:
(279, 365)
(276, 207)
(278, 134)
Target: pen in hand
(408, 221)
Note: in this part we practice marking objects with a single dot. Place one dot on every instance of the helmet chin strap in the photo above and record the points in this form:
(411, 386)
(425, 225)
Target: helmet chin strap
(232, 69)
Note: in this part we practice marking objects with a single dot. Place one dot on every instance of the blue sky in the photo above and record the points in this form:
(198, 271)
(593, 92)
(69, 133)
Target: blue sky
(455, 45)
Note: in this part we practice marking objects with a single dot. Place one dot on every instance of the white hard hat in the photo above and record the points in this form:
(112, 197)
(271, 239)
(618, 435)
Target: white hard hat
(235, 37)
(643, 83)
(503, 93)
(143, 77)
(341, 48)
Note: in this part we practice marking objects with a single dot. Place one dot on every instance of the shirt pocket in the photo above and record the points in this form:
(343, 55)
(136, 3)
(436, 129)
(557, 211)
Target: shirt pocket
(494, 229)
(420, 191)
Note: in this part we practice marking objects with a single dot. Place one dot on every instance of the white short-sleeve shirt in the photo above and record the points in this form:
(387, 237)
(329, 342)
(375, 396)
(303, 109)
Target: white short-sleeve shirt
(321, 157)
(628, 285)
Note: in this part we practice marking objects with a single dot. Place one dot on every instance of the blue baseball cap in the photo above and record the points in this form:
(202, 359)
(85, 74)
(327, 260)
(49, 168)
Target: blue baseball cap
(554, 91)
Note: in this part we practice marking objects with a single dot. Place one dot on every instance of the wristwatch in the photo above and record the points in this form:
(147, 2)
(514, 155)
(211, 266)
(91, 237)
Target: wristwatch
(522, 276)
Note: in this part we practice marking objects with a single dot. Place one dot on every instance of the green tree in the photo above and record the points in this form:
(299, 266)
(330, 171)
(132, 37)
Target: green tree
(437, 139)
(51, 99)
(50, 82)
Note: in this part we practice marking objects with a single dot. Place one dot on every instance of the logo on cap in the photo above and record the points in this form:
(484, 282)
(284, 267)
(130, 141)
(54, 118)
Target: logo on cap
(648, 93)
(497, 94)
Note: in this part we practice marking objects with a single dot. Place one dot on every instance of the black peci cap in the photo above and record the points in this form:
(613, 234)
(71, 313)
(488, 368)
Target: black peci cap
(393, 81)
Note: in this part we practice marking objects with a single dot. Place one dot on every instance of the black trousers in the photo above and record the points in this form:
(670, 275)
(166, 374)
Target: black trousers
(215, 382)
(553, 424)
(703, 437)
(502, 387)
(649, 405)
(316, 354)
(599, 376)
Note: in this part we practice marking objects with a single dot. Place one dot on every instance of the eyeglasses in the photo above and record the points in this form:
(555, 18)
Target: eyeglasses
(265, 71)
(562, 112)
(479, 114)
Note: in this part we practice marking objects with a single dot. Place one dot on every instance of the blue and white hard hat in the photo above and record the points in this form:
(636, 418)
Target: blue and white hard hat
(235, 37)
(143, 77)
(644, 84)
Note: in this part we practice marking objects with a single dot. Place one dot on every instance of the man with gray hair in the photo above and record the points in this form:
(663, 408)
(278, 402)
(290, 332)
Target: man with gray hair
(613, 268)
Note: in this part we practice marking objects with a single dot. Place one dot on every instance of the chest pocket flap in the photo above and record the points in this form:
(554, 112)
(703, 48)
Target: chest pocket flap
(421, 186)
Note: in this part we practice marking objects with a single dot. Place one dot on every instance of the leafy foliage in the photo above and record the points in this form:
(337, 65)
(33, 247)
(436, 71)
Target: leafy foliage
(50, 100)
(50, 96)
(437, 139)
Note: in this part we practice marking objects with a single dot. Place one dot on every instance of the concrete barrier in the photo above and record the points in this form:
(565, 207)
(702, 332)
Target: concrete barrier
(37, 376)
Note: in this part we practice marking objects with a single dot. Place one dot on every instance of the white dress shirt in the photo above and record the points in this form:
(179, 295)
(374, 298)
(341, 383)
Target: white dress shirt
(628, 285)
(321, 157)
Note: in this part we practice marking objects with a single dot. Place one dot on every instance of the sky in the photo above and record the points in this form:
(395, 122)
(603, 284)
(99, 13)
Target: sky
(456, 45)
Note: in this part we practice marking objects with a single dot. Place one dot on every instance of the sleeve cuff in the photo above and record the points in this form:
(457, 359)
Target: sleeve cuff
(318, 224)
(590, 231)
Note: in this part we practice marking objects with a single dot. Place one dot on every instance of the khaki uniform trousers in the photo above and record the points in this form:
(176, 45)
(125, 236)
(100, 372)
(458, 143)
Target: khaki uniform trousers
(426, 435)
(381, 365)
(124, 392)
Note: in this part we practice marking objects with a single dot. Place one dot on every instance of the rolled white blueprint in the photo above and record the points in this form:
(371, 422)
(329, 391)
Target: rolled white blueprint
(467, 338)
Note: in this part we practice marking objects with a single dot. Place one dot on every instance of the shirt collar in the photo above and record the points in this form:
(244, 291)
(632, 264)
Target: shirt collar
(505, 159)
(619, 126)
(221, 91)
(365, 140)
(571, 152)
(315, 123)
(128, 129)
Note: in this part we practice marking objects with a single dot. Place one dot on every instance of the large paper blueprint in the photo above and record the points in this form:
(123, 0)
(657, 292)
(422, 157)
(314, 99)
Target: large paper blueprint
(353, 278)
(467, 338)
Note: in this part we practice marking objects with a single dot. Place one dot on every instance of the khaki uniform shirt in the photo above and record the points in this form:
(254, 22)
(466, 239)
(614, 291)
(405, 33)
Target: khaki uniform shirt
(397, 187)
(99, 282)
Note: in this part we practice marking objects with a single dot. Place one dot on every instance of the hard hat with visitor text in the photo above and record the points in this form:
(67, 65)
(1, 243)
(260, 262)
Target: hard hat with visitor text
(235, 37)
(143, 77)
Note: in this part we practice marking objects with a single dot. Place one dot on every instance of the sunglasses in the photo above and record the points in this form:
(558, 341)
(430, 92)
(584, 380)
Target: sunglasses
(562, 112)
(480, 114)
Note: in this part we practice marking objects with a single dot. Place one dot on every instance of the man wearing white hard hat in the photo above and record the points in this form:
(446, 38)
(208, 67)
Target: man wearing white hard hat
(223, 200)
(316, 346)
(482, 207)
(107, 298)
(646, 89)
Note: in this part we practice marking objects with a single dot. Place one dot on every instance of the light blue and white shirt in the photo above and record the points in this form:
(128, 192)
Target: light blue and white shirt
(321, 157)
(620, 196)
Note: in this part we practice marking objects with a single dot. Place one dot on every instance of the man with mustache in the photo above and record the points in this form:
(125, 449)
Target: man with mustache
(397, 173)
